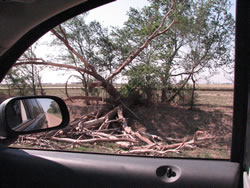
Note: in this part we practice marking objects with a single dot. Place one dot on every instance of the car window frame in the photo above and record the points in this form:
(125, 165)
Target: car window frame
(241, 81)
(240, 84)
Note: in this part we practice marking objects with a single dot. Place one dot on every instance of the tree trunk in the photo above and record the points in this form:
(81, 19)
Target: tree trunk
(149, 95)
(85, 86)
(33, 80)
(9, 93)
(111, 90)
(192, 94)
(163, 95)
(179, 89)
(41, 86)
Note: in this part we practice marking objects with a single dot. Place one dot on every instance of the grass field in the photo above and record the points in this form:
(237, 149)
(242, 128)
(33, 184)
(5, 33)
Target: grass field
(215, 86)
(215, 98)
(77, 90)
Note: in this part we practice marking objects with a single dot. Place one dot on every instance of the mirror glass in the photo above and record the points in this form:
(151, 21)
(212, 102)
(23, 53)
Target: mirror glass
(33, 114)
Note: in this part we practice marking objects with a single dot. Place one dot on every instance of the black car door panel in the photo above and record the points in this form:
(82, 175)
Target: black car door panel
(66, 169)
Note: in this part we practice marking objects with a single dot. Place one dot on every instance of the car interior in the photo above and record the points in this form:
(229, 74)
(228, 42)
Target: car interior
(22, 22)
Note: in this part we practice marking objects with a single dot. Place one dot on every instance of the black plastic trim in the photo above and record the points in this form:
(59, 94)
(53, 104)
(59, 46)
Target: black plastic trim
(69, 169)
(241, 81)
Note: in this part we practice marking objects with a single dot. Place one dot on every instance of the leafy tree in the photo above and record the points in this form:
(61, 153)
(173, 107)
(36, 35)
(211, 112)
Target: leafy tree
(209, 41)
(26, 78)
(17, 79)
(200, 41)
(161, 53)
(34, 72)
(90, 41)
(54, 108)
(91, 69)
(143, 77)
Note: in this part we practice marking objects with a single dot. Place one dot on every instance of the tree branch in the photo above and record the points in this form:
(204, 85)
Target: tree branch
(55, 65)
(156, 33)
(66, 43)
(74, 141)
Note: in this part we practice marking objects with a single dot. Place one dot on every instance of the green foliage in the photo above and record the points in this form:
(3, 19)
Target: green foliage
(91, 40)
(54, 108)
(142, 78)
(184, 96)
(18, 81)
(210, 36)
(127, 90)
(150, 69)
(26, 79)
(201, 40)
(94, 92)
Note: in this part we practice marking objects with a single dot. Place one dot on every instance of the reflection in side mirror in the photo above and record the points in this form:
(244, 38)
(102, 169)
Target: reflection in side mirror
(33, 114)
(28, 114)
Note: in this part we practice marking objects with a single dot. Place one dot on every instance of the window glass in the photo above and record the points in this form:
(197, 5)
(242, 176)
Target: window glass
(152, 78)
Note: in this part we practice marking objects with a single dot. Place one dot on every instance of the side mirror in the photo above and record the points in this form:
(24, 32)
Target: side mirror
(23, 115)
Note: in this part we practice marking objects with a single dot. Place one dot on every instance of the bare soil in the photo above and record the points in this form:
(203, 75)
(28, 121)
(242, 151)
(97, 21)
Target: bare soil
(53, 120)
(178, 122)
(212, 115)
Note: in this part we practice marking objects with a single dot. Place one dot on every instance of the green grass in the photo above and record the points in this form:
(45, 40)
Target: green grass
(203, 153)
(96, 148)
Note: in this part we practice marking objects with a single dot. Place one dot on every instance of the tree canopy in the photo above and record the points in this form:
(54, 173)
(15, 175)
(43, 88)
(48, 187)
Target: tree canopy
(158, 46)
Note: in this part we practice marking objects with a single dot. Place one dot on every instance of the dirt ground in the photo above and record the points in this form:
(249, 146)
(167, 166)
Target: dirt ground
(53, 120)
(181, 123)
(212, 115)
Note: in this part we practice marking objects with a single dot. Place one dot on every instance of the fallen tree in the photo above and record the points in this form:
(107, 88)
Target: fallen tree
(110, 113)
(89, 69)
(109, 124)
(114, 128)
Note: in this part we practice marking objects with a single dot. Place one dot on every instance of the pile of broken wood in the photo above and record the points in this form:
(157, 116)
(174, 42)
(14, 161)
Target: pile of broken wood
(112, 127)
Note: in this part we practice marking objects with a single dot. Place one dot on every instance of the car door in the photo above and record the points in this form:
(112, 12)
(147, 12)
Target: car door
(41, 168)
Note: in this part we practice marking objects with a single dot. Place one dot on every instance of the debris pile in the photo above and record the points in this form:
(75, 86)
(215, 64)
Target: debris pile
(111, 127)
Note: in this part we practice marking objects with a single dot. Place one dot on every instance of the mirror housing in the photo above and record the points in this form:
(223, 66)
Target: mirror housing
(25, 115)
